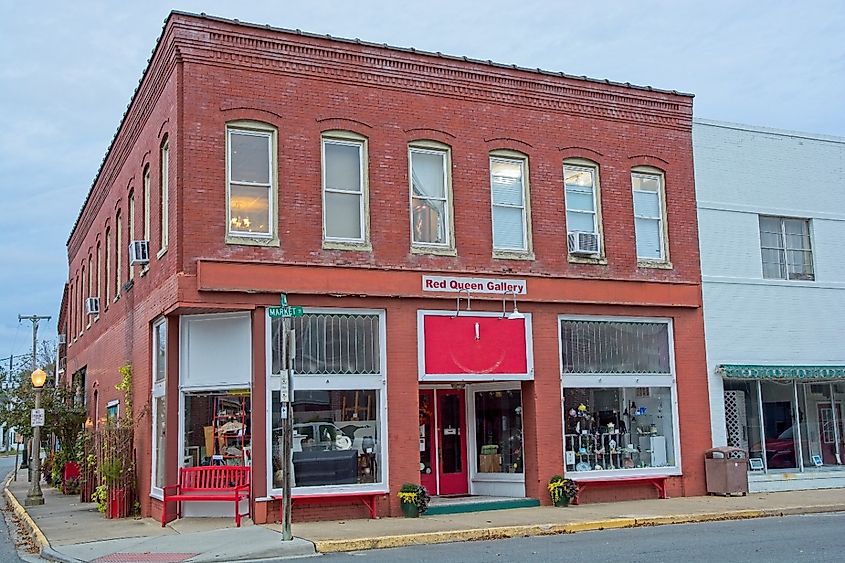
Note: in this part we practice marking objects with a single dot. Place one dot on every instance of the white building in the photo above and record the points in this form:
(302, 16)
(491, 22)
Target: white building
(771, 214)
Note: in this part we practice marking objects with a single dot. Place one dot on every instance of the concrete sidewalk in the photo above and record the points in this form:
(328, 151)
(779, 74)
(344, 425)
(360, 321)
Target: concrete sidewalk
(70, 531)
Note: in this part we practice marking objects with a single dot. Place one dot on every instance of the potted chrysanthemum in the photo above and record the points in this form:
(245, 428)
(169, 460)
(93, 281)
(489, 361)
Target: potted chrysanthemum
(562, 490)
(414, 500)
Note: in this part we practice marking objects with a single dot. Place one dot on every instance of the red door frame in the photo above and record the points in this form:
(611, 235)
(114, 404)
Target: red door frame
(438, 481)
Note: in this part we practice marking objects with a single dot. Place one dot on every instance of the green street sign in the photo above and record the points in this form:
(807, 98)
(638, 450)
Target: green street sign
(284, 310)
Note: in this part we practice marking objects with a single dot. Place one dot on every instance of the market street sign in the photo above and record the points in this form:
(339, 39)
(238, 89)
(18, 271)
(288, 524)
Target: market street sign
(284, 310)
(453, 284)
(36, 417)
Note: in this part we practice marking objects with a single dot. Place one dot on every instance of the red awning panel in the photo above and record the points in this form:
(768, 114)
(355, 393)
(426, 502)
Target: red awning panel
(475, 348)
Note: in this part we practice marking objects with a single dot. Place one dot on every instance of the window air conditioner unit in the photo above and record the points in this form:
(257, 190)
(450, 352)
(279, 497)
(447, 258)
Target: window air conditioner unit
(139, 252)
(584, 244)
(92, 306)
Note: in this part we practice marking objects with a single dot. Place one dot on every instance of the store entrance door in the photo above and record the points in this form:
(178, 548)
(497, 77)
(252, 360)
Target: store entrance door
(828, 432)
(443, 446)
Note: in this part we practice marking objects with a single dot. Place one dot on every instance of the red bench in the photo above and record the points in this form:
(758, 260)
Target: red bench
(657, 482)
(367, 499)
(227, 483)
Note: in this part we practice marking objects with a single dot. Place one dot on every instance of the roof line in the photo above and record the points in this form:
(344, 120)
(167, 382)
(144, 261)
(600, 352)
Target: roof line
(769, 130)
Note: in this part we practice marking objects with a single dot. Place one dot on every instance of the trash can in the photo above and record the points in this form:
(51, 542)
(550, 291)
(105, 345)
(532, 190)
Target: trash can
(726, 471)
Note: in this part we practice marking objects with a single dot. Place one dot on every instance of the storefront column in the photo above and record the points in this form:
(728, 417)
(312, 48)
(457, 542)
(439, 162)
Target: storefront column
(541, 413)
(172, 456)
(258, 425)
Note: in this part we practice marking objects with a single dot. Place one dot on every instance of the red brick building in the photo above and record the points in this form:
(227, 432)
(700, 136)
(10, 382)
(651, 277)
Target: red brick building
(410, 202)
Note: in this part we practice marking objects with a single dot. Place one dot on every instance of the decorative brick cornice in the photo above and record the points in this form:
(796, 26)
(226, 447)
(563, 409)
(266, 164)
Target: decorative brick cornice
(212, 41)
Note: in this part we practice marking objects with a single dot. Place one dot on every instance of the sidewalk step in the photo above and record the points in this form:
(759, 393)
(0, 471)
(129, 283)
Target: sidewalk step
(478, 505)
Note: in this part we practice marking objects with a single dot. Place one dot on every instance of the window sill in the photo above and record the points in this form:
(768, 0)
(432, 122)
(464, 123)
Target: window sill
(434, 250)
(512, 255)
(252, 241)
(598, 261)
(351, 246)
(144, 271)
(659, 265)
(161, 253)
(116, 298)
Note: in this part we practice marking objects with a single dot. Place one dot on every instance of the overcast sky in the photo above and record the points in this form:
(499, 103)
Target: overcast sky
(68, 70)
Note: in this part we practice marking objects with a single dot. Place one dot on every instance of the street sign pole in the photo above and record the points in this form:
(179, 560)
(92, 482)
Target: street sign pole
(287, 411)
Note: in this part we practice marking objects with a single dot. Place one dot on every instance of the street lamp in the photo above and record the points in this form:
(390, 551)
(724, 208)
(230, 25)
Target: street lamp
(35, 496)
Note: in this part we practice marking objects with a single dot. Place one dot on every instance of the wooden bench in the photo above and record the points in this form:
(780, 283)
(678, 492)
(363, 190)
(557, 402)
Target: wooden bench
(226, 483)
(367, 499)
(658, 482)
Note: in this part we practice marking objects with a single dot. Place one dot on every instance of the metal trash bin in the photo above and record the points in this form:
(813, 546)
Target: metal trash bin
(726, 471)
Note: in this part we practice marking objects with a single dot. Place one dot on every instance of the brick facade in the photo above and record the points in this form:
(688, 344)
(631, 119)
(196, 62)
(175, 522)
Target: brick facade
(207, 72)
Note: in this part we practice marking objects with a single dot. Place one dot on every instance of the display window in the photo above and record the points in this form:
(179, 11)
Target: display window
(498, 431)
(620, 413)
(159, 401)
(338, 403)
(217, 429)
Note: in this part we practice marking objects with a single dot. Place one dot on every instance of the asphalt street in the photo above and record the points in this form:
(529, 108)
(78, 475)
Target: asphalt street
(7, 546)
(814, 537)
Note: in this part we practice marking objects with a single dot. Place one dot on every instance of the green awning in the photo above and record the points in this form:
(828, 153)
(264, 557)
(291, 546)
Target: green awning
(742, 371)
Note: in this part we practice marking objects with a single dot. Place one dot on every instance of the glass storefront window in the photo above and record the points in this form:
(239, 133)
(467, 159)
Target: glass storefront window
(336, 438)
(742, 417)
(159, 417)
(217, 429)
(618, 428)
(779, 423)
(498, 431)
(820, 425)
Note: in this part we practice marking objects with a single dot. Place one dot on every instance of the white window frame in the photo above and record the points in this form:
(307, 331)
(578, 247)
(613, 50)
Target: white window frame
(158, 390)
(164, 195)
(593, 169)
(447, 247)
(662, 223)
(131, 227)
(612, 380)
(147, 199)
(524, 251)
(785, 248)
(118, 254)
(350, 140)
(256, 129)
(323, 382)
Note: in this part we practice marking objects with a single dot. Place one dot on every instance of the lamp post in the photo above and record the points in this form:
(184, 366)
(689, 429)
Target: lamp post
(35, 496)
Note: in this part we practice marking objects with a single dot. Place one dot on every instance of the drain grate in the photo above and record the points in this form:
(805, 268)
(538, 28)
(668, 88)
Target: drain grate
(146, 557)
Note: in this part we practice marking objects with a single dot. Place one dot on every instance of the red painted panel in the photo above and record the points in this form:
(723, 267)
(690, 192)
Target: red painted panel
(474, 345)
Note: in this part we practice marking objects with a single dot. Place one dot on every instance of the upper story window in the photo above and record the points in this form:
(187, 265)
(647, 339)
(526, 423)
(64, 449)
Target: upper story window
(431, 221)
(785, 248)
(131, 218)
(581, 193)
(344, 189)
(509, 201)
(251, 179)
(649, 216)
(163, 202)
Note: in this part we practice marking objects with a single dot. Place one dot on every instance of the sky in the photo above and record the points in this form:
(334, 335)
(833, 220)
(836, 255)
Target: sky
(68, 71)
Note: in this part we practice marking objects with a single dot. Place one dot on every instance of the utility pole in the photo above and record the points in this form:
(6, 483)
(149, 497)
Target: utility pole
(34, 319)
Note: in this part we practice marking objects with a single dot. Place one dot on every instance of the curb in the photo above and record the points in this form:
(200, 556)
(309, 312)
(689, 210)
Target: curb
(24, 516)
(505, 532)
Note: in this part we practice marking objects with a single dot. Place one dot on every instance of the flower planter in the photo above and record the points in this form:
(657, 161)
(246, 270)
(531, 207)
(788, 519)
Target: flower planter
(562, 501)
(410, 510)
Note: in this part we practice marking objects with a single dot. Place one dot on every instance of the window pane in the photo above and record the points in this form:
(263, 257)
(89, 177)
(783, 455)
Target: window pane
(646, 182)
(647, 204)
(161, 351)
(343, 215)
(800, 265)
(575, 176)
(508, 228)
(583, 222)
(615, 347)
(506, 180)
(429, 221)
(331, 344)
(250, 158)
(648, 238)
(778, 419)
(427, 174)
(580, 200)
(618, 428)
(498, 431)
(343, 167)
(336, 438)
(774, 264)
(249, 209)
(771, 239)
(217, 430)
(160, 413)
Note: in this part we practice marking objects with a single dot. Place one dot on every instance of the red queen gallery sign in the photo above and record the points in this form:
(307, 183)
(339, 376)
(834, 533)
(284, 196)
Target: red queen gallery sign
(452, 284)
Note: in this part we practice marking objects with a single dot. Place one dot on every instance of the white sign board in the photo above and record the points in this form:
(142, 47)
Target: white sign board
(453, 284)
(36, 417)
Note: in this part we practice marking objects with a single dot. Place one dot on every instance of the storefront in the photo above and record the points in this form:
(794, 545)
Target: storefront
(471, 368)
(620, 405)
(791, 420)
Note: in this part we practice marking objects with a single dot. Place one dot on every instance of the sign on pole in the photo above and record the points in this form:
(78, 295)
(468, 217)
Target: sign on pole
(36, 417)
(284, 310)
